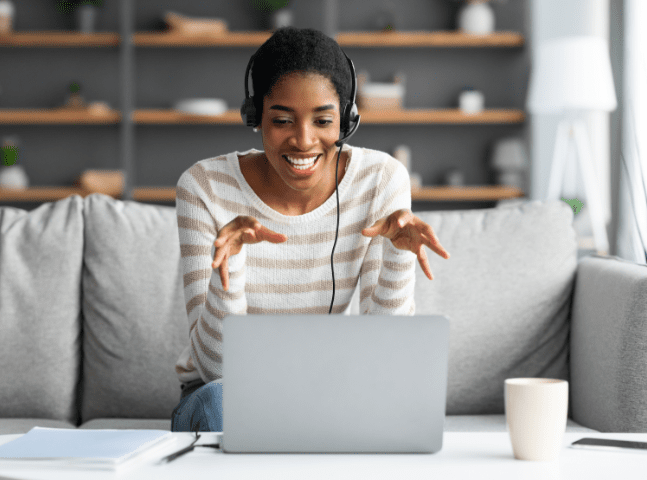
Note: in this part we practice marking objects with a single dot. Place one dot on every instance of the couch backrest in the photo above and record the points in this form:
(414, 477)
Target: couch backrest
(41, 253)
(507, 290)
(135, 320)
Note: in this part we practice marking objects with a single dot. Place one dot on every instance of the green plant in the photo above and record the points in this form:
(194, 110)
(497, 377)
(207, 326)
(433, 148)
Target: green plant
(74, 87)
(270, 5)
(9, 155)
(68, 6)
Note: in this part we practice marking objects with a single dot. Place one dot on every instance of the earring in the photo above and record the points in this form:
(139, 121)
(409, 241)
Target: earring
(256, 129)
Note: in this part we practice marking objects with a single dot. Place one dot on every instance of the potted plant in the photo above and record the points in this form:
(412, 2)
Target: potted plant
(12, 173)
(84, 11)
(280, 15)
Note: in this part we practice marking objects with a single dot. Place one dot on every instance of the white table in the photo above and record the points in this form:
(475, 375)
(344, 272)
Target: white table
(482, 455)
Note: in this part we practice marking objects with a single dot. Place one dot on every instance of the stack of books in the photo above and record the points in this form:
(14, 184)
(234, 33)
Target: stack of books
(79, 448)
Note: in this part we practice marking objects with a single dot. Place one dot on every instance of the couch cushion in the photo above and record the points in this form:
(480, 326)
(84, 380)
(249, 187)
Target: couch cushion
(128, 423)
(494, 423)
(41, 252)
(133, 307)
(507, 291)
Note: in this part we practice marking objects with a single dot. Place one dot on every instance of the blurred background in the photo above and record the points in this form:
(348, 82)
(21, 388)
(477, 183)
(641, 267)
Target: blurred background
(487, 103)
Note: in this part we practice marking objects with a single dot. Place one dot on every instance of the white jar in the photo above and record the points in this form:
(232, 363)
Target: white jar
(471, 101)
(13, 176)
(7, 11)
(476, 17)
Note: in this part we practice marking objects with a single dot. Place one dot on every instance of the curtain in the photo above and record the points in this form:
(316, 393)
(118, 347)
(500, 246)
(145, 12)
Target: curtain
(632, 201)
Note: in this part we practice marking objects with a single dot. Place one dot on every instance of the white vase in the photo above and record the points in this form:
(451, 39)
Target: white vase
(477, 18)
(13, 176)
(7, 12)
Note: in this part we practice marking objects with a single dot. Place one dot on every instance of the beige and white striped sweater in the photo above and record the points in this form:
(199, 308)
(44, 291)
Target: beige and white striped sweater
(293, 277)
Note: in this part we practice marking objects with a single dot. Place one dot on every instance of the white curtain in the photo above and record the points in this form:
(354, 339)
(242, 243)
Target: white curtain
(632, 201)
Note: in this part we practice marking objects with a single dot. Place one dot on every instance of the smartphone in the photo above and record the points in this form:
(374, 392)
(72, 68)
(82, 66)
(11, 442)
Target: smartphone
(608, 444)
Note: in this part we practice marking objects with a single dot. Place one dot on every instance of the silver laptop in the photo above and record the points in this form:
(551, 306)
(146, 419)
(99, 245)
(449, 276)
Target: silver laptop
(334, 384)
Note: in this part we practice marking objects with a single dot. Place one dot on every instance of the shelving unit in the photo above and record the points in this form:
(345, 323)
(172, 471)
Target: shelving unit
(167, 39)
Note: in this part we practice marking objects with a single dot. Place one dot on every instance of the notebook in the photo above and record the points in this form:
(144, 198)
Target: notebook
(103, 449)
(334, 384)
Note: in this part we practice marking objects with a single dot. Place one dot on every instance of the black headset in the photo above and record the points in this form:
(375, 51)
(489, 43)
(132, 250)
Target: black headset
(348, 125)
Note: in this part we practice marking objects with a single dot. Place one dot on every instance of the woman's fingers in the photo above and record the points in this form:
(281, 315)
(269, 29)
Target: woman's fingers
(224, 274)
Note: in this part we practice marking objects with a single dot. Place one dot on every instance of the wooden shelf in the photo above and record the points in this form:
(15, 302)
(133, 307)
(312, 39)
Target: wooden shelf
(369, 39)
(39, 194)
(230, 39)
(54, 116)
(55, 39)
(404, 116)
(428, 39)
(167, 194)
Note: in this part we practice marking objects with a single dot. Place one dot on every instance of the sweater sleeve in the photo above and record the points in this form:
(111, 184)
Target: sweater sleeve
(387, 276)
(206, 301)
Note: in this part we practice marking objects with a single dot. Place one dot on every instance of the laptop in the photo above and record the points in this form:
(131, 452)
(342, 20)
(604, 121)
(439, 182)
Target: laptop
(334, 384)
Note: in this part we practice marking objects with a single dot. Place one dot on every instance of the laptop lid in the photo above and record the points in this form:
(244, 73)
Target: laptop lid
(334, 384)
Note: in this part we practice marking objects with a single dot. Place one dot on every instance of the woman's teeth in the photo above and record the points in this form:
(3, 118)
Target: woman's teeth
(302, 164)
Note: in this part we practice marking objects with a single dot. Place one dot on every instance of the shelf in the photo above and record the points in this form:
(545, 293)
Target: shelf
(167, 194)
(345, 39)
(230, 39)
(45, 38)
(449, 38)
(404, 116)
(56, 116)
(428, 39)
(232, 117)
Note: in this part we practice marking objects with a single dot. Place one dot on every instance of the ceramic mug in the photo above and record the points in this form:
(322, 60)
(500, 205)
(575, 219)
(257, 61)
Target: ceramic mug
(536, 411)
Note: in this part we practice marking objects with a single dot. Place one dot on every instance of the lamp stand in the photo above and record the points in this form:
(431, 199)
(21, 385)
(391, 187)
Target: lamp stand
(576, 129)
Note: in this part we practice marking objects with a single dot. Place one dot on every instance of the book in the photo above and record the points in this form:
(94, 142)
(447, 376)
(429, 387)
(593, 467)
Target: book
(66, 447)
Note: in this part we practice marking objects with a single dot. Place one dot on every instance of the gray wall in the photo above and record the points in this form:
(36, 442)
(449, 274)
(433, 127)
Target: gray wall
(57, 154)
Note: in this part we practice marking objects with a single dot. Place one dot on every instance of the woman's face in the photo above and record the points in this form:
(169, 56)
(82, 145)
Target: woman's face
(301, 121)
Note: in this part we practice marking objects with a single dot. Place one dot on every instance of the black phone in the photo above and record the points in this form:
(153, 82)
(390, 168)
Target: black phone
(608, 444)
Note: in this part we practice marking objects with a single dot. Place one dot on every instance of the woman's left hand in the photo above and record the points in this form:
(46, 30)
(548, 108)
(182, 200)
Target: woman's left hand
(408, 232)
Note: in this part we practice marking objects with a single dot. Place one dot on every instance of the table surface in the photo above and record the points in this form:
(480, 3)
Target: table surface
(464, 455)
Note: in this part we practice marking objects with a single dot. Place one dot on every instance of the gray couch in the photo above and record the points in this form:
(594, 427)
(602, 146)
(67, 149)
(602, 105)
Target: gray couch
(92, 316)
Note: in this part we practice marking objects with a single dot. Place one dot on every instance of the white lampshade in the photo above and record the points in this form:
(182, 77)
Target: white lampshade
(572, 73)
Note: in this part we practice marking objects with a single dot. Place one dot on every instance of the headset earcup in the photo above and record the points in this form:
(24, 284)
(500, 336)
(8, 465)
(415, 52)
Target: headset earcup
(248, 112)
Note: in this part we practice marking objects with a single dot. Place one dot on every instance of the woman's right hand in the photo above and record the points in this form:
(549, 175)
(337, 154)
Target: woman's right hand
(231, 238)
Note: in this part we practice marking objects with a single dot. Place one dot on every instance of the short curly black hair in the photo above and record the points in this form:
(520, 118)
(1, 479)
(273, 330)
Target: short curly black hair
(292, 49)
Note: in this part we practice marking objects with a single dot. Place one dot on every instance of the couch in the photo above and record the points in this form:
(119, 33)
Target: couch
(93, 317)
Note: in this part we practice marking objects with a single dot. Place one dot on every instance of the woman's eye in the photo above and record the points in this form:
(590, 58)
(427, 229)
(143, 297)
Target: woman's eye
(283, 122)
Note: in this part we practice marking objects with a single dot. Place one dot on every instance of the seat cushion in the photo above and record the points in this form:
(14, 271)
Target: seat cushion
(494, 423)
(41, 253)
(128, 423)
(133, 307)
(507, 291)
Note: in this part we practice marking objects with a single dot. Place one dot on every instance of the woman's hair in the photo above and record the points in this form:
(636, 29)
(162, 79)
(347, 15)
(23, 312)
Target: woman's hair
(292, 49)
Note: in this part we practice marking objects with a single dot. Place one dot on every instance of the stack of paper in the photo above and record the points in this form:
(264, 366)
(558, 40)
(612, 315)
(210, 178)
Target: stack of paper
(102, 449)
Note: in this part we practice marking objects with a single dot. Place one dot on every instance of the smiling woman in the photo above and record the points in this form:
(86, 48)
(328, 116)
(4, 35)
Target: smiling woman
(256, 227)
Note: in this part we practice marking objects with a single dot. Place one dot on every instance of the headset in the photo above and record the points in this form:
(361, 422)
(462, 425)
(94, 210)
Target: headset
(348, 125)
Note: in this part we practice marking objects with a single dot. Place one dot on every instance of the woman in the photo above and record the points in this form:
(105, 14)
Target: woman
(256, 227)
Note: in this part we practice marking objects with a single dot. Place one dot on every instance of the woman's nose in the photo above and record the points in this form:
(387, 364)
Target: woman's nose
(303, 136)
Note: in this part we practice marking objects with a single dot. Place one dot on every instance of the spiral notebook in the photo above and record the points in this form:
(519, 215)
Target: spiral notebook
(66, 447)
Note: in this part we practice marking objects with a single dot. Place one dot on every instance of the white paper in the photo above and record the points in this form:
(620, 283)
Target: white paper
(107, 447)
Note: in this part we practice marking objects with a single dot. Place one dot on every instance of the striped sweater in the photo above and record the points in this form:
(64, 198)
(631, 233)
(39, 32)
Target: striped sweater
(293, 277)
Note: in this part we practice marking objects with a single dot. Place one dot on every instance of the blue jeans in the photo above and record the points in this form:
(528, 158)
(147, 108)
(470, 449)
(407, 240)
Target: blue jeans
(200, 408)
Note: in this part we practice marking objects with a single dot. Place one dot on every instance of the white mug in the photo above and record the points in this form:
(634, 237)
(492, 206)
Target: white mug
(536, 411)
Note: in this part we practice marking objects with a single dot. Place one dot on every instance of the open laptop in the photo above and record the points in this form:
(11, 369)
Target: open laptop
(334, 384)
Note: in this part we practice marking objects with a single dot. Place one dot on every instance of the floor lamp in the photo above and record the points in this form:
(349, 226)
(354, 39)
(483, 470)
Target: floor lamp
(571, 77)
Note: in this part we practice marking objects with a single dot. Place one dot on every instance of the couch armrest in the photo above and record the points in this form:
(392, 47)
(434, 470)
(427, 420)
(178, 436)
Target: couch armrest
(608, 380)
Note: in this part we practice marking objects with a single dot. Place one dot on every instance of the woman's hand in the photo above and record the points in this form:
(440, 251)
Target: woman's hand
(231, 239)
(408, 232)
